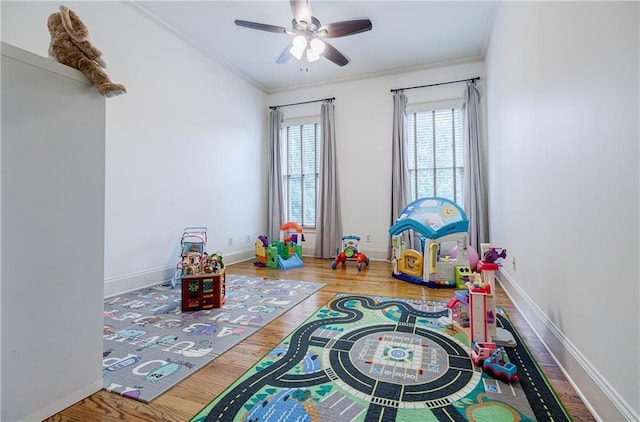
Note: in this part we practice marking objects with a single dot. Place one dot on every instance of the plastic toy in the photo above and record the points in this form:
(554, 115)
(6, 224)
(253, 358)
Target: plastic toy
(261, 245)
(436, 221)
(491, 255)
(481, 351)
(462, 275)
(482, 302)
(497, 366)
(473, 256)
(214, 264)
(458, 309)
(194, 259)
(350, 252)
(283, 254)
(475, 307)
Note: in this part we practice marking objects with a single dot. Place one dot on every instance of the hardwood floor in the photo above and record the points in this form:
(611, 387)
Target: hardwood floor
(187, 398)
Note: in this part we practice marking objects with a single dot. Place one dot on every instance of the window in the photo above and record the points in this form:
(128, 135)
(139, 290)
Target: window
(302, 161)
(434, 151)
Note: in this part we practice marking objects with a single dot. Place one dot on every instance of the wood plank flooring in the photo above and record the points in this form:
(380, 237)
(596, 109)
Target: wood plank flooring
(187, 398)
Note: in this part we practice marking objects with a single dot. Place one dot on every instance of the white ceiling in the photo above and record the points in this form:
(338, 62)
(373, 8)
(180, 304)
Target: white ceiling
(406, 35)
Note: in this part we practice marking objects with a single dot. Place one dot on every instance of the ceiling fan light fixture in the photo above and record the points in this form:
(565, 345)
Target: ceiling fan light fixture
(296, 52)
(307, 29)
(312, 56)
(317, 46)
(298, 47)
(300, 42)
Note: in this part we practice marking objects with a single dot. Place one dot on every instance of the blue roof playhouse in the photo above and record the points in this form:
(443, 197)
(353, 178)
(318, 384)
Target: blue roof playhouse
(439, 224)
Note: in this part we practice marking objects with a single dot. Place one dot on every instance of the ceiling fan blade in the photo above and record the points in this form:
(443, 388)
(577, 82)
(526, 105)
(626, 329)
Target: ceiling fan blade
(261, 26)
(341, 29)
(331, 53)
(285, 56)
(301, 10)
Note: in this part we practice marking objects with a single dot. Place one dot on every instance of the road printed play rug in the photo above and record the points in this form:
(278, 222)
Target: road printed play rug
(150, 344)
(371, 358)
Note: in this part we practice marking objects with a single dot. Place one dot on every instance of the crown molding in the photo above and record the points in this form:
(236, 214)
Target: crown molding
(270, 90)
(378, 74)
(135, 5)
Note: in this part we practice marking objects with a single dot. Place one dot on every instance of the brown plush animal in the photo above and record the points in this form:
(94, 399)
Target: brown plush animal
(70, 45)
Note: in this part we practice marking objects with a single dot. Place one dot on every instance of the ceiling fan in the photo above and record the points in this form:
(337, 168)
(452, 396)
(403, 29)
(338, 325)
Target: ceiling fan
(310, 34)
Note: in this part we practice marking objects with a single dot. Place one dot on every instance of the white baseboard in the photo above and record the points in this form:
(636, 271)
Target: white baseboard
(65, 402)
(377, 254)
(597, 394)
(127, 283)
(372, 254)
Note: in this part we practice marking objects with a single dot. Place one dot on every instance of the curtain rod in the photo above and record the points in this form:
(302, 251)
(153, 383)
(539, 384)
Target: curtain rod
(304, 102)
(477, 78)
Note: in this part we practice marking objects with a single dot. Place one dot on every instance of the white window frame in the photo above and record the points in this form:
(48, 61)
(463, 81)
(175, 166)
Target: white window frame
(457, 145)
(286, 177)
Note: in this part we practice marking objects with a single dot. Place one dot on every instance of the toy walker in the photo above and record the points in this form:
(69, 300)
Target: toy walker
(350, 252)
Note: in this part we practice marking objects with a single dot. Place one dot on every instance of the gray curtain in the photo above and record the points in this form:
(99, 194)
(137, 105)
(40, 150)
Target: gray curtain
(475, 199)
(400, 186)
(328, 216)
(275, 212)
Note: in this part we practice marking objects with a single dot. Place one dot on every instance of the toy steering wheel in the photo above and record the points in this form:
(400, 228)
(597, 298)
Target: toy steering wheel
(350, 251)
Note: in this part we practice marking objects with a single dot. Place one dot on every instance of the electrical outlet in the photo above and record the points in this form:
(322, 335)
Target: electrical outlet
(367, 238)
(248, 238)
(513, 262)
(230, 241)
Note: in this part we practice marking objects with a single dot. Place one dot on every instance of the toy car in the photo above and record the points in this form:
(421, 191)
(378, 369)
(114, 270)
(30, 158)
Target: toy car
(498, 367)
(350, 253)
(481, 351)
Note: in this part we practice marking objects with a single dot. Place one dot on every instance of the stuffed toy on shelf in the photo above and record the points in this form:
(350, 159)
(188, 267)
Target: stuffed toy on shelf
(70, 45)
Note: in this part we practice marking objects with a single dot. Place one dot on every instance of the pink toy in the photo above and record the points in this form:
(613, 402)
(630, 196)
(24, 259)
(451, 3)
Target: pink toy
(482, 350)
(473, 256)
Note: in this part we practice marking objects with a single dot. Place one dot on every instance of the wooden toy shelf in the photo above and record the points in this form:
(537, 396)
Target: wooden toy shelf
(203, 291)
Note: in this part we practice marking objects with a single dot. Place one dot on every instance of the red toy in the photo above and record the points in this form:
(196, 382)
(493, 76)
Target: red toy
(350, 252)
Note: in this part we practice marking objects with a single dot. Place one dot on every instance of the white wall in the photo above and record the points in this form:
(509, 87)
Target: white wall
(363, 119)
(562, 95)
(158, 147)
(44, 163)
(184, 146)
